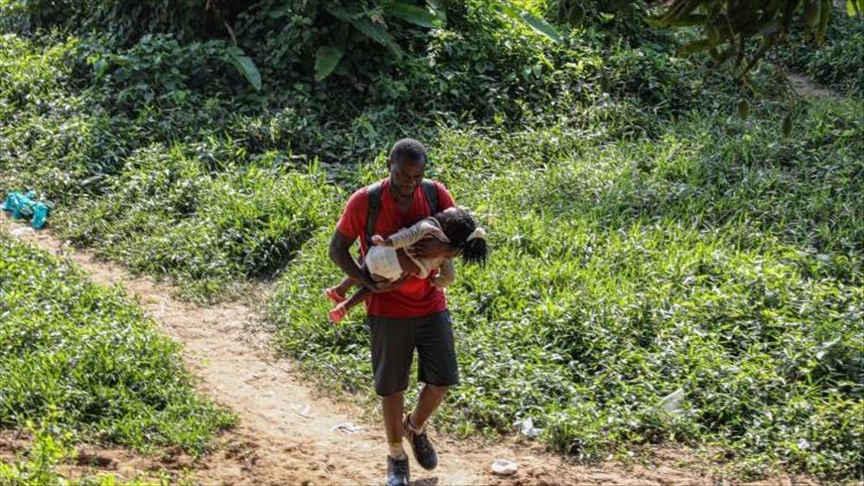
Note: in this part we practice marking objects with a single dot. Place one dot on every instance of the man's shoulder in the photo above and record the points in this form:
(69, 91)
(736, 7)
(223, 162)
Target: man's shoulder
(440, 185)
(445, 199)
(359, 199)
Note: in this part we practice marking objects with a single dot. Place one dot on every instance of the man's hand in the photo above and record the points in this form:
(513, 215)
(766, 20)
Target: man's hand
(431, 247)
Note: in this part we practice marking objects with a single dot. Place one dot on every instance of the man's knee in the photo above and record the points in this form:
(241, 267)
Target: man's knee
(437, 389)
(399, 395)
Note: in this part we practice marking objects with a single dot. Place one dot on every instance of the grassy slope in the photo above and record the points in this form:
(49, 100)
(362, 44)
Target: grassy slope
(714, 256)
(717, 259)
(81, 363)
(87, 360)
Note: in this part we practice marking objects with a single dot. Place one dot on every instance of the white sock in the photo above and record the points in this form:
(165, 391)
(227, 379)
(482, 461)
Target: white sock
(396, 450)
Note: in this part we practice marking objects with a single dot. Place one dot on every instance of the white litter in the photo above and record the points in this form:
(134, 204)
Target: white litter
(348, 428)
(302, 411)
(528, 429)
(503, 467)
(22, 230)
(671, 403)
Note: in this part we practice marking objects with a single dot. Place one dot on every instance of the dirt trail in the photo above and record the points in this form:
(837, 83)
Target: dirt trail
(286, 432)
(807, 88)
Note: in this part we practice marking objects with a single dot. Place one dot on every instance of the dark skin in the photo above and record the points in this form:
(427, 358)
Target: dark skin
(405, 177)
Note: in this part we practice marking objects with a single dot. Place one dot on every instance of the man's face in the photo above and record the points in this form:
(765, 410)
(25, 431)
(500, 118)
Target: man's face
(405, 176)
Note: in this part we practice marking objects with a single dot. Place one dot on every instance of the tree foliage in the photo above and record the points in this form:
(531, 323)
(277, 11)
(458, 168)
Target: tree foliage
(728, 27)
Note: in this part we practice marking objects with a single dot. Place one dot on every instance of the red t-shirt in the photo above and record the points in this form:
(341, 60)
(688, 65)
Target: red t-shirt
(416, 297)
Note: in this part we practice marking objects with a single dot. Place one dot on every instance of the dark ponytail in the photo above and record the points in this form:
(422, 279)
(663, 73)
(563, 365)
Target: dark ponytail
(462, 230)
(475, 250)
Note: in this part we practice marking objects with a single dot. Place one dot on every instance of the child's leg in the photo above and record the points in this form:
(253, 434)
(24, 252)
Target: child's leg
(345, 286)
(361, 295)
(337, 293)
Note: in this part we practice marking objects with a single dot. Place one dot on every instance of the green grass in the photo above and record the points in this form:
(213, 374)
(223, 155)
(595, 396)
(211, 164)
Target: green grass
(165, 214)
(645, 240)
(86, 360)
(720, 259)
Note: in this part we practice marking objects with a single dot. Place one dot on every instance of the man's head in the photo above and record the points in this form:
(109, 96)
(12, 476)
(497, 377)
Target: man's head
(407, 165)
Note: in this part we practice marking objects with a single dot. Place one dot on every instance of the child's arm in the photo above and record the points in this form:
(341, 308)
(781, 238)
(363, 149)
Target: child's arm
(408, 236)
(446, 274)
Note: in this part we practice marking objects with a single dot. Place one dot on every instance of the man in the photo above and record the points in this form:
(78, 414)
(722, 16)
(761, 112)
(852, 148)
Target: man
(403, 315)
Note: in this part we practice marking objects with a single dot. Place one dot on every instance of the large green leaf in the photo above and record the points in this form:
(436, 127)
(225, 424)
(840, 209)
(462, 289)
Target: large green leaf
(415, 14)
(378, 33)
(539, 25)
(326, 60)
(363, 21)
(441, 12)
(246, 66)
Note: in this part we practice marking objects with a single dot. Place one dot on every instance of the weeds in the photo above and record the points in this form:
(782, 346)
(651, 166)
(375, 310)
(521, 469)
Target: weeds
(726, 264)
(88, 360)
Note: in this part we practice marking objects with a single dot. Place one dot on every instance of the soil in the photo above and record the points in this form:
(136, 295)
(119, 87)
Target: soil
(289, 433)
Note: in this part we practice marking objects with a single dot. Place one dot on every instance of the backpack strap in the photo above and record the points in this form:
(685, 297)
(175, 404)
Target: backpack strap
(374, 193)
(431, 195)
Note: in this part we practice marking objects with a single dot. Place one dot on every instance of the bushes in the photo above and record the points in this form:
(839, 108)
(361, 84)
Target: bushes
(167, 214)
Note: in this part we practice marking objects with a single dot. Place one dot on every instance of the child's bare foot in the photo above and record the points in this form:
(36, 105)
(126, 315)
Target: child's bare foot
(337, 314)
(334, 295)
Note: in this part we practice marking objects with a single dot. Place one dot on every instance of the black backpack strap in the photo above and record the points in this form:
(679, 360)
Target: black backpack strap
(431, 195)
(374, 193)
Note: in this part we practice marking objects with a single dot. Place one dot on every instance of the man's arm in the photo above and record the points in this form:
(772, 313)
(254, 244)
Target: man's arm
(446, 275)
(340, 246)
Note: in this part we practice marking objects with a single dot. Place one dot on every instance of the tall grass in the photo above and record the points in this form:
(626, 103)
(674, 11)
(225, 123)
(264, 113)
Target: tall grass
(87, 361)
(166, 214)
(719, 260)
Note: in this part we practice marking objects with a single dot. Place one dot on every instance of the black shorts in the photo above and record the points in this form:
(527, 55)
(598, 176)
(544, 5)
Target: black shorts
(393, 342)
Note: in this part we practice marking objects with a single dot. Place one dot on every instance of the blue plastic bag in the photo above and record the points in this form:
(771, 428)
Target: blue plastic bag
(26, 206)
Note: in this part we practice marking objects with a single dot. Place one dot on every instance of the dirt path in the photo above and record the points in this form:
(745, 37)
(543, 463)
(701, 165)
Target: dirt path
(286, 432)
(807, 88)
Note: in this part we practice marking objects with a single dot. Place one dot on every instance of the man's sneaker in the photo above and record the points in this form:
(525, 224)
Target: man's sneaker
(424, 451)
(397, 471)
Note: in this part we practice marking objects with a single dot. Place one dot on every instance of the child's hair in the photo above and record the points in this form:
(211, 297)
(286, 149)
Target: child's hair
(459, 226)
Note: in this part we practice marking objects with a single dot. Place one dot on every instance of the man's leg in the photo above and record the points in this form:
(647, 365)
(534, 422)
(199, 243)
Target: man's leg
(431, 396)
(393, 406)
(392, 346)
(438, 369)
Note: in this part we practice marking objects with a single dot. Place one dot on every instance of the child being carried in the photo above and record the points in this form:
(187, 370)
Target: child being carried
(388, 259)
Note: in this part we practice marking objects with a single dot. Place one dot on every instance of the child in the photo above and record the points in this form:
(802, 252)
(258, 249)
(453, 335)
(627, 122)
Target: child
(388, 260)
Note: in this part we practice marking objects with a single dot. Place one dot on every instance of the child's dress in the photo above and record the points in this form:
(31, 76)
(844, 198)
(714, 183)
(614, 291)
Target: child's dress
(382, 260)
